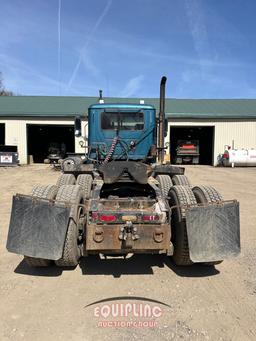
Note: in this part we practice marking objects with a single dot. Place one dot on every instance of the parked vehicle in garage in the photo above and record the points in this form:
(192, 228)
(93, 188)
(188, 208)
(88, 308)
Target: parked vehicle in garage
(187, 152)
(122, 198)
(57, 152)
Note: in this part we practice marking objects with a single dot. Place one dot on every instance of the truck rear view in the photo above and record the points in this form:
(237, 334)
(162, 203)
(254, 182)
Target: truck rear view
(187, 152)
(121, 198)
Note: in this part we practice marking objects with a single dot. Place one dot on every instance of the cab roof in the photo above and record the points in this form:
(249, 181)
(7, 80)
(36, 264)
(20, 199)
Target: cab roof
(121, 106)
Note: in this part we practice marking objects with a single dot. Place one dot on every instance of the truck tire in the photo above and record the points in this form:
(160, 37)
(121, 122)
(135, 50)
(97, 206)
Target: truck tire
(179, 196)
(165, 183)
(85, 182)
(70, 161)
(66, 179)
(72, 251)
(207, 195)
(43, 192)
(181, 180)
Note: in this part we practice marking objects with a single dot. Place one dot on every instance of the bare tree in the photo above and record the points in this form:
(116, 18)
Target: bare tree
(3, 91)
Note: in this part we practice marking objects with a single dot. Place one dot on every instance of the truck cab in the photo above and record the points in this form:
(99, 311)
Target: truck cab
(127, 130)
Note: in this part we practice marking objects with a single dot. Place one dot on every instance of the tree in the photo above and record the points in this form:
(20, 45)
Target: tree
(3, 91)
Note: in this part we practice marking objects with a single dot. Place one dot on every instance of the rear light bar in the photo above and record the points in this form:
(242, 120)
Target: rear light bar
(150, 218)
(121, 218)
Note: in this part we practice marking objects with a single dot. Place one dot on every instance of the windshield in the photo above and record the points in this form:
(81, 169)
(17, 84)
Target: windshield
(122, 120)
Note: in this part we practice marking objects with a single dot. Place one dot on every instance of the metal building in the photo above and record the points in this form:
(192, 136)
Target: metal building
(32, 123)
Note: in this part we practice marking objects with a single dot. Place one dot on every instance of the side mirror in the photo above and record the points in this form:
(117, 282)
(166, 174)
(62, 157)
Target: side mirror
(165, 127)
(77, 126)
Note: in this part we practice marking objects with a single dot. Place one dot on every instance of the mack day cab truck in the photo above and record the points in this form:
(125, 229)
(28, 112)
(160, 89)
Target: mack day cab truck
(122, 198)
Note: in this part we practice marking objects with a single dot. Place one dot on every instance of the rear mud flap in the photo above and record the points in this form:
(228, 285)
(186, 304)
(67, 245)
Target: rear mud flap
(37, 228)
(213, 231)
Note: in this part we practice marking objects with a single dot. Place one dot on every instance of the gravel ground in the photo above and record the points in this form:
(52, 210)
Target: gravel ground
(203, 304)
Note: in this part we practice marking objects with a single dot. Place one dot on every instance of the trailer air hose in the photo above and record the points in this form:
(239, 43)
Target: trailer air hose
(111, 150)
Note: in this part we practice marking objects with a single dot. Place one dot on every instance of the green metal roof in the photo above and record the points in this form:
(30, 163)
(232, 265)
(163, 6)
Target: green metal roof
(45, 106)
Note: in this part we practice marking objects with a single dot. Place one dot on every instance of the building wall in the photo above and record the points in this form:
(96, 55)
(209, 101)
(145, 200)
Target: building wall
(242, 132)
(16, 133)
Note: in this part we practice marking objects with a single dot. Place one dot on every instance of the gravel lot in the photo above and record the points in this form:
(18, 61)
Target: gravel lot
(203, 303)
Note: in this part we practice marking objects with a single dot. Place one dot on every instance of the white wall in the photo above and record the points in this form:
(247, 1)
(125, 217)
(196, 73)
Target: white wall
(242, 132)
(16, 133)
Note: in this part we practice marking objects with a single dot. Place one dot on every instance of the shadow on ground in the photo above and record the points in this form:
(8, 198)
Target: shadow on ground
(141, 265)
(116, 267)
(50, 271)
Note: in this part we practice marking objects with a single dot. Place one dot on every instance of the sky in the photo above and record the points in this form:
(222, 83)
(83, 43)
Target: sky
(206, 48)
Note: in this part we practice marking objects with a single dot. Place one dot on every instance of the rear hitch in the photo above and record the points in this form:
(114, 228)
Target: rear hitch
(128, 233)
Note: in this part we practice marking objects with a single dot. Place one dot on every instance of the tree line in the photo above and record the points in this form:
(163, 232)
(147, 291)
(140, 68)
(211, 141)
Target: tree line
(3, 91)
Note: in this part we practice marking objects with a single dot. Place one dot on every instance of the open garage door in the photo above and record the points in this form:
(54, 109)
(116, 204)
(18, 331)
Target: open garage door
(2, 133)
(203, 136)
(42, 137)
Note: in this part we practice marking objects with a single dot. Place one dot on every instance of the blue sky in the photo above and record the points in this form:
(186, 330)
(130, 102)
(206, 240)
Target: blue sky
(206, 48)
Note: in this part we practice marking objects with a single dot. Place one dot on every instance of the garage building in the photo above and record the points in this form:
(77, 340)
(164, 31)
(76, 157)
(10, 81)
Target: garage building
(33, 123)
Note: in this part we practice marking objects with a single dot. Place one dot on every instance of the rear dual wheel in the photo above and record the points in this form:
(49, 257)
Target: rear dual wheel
(66, 179)
(42, 192)
(72, 195)
(85, 182)
(165, 183)
(180, 197)
(181, 180)
(207, 195)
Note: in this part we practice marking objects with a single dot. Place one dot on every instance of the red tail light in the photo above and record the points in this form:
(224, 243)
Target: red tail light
(109, 218)
(188, 146)
(150, 217)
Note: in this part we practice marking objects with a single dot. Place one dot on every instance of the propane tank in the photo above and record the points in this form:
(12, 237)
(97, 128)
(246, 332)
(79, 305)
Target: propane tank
(239, 157)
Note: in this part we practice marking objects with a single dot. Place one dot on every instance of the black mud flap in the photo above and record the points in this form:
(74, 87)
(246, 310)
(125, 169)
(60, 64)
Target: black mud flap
(37, 228)
(213, 231)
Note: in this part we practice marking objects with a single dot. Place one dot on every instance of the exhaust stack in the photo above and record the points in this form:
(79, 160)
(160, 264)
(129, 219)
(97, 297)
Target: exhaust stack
(161, 121)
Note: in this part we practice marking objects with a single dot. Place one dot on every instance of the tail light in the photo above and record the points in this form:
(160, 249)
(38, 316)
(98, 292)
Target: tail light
(150, 218)
(107, 218)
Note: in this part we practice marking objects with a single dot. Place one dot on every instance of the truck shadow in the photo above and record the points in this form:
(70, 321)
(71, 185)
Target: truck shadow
(135, 265)
(116, 267)
(195, 270)
(50, 271)
(140, 265)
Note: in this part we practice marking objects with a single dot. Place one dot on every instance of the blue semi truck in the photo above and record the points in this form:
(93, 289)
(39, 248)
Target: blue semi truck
(121, 198)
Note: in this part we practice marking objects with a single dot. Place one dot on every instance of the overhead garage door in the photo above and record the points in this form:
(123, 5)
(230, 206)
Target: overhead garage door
(203, 134)
(2, 133)
(41, 137)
